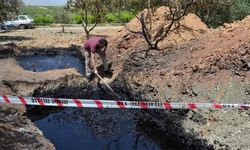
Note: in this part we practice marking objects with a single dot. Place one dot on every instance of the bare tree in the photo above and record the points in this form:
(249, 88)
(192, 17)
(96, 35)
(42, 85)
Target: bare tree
(177, 10)
(86, 8)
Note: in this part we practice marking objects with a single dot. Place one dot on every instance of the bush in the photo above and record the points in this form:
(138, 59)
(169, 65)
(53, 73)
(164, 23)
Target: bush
(91, 19)
(215, 13)
(240, 9)
(126, 16)
(111, 18)
(43, 20)
(79, 20)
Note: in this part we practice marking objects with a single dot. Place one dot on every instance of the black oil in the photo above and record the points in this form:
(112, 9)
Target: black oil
(40, 63)
(90, 128)
(75, 128)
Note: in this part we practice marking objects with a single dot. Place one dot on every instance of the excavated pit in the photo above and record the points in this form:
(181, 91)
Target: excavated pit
(88, 128)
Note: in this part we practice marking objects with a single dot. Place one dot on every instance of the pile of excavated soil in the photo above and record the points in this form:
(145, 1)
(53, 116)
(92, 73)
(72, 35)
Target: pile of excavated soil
(221, 53)
(212, 68)
(191, 26)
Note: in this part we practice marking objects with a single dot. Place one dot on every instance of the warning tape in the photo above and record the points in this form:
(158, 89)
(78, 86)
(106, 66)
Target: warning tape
(87, 103)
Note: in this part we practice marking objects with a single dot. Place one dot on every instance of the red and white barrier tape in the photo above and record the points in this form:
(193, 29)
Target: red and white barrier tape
(114, 103)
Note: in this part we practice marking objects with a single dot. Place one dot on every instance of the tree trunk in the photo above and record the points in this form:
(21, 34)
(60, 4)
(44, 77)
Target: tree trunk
(62, 28)
(87, 34)
(149, 11)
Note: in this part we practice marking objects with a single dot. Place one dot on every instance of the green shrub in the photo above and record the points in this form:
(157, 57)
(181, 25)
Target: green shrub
(43, 20)
(79, 20)
(215, 13)
(111, 18)
(126, 16)
(240, 9)
(91, 19)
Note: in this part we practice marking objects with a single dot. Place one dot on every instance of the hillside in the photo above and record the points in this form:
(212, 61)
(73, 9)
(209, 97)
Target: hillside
(39, 10)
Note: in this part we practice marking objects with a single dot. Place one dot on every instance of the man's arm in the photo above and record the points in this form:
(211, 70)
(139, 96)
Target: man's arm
(105, 48)
(93, 62)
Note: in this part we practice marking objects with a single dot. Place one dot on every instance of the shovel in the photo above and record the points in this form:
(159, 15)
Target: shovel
(108, 86)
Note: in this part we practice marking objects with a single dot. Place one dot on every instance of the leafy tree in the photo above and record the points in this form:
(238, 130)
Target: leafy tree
(62, 16)
(9, 8)
(214, 12)
(240, 9)
(86, 8)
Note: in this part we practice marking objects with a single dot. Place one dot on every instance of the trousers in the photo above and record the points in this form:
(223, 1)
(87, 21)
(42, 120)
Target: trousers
(88, 66)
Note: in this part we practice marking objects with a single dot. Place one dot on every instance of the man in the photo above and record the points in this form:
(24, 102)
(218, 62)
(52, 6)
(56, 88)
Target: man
(91, 46)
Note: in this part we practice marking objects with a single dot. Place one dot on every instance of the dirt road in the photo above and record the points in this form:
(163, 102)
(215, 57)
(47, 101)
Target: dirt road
(53, 37)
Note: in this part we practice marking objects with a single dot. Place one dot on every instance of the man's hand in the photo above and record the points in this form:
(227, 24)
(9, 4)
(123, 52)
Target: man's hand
(96, 72)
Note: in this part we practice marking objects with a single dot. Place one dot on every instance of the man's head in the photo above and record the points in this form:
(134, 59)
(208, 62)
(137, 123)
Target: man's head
(103, 43)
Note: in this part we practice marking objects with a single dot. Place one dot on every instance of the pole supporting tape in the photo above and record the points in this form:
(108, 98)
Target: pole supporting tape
(89, 103)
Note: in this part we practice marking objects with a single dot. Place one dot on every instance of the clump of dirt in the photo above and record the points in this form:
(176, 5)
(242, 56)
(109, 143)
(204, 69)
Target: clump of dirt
(190, 27)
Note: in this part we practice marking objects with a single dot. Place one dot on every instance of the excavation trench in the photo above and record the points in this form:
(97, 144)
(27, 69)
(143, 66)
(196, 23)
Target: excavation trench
(75, 128)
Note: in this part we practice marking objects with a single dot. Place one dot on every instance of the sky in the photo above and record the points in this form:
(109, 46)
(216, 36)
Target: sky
(45, 2)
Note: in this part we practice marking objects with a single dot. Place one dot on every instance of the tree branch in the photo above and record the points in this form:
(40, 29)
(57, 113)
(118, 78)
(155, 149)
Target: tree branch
(93, 27)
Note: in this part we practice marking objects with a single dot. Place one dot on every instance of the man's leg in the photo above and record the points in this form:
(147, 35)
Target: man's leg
(104, 61)
(87, 63)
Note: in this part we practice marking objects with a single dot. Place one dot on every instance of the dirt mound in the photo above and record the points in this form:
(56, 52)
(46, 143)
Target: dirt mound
(213, 68)
(191, 26)
(225, 48)
(245, 22)
(224, 51)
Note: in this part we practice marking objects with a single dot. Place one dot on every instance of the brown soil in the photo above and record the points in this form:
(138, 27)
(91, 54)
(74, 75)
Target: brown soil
(211, 68)
(190, 27)
(53, 37)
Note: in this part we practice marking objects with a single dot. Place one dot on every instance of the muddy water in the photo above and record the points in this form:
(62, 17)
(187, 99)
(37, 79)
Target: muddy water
(44, 63)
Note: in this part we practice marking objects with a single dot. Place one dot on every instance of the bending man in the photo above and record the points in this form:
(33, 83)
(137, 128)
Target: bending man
(91, 46)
